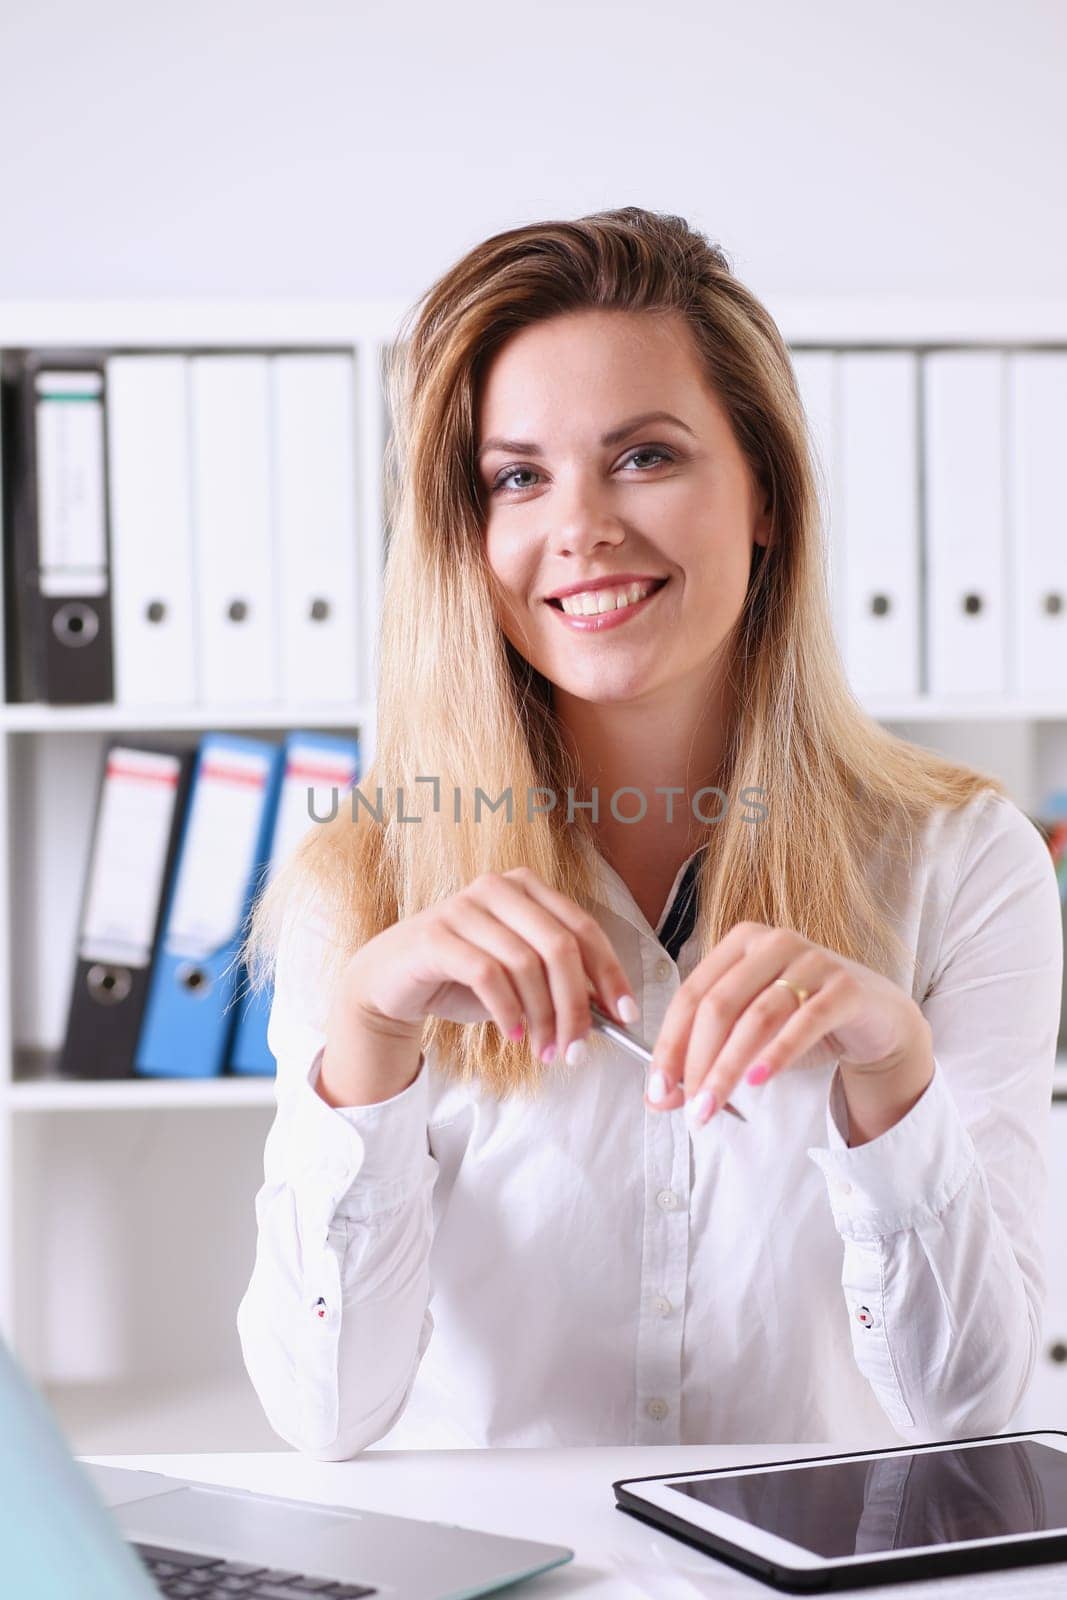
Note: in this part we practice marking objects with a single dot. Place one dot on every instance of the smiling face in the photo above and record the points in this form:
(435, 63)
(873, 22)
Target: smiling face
(603, 453)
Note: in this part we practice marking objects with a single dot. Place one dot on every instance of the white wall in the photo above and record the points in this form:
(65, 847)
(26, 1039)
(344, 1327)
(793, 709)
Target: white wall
(356, 149)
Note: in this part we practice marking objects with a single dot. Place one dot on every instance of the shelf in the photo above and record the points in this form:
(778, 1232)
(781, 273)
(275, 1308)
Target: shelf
(928, 710)
(870, 321)
(136, 1094)
(225, 323)
(804, 319)
(37, 718)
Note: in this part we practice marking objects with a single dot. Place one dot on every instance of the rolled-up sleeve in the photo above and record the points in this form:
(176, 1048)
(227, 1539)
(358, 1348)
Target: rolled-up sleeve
(941, 1217)
(335, 1320)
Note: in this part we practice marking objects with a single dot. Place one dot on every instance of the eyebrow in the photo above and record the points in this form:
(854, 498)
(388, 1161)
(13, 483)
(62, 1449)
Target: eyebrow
(527, 447)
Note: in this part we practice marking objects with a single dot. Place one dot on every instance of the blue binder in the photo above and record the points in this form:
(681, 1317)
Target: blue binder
(190, 1014)
(327, 766)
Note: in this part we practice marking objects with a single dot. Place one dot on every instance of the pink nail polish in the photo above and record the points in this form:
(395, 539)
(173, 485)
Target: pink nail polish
(517, 1033)
(758, 1074)
(548, 1054)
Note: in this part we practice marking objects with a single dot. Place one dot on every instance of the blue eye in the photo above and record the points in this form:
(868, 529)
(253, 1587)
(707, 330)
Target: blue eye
(498, 484)
(650, 450)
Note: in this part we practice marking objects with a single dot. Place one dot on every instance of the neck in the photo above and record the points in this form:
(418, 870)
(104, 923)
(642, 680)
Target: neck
(666, 752)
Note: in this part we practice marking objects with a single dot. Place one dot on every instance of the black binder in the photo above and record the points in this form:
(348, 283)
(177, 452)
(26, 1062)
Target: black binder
(111, 971)
(58, 619)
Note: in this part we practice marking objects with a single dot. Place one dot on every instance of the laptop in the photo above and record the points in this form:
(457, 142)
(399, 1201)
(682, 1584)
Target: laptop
(174, 1537)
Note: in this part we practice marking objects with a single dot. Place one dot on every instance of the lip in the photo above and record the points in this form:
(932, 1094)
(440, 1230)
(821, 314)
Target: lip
(608, 619)
(613, 580)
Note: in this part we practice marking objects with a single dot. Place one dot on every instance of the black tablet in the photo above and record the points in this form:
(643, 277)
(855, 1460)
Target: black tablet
(871, 1516)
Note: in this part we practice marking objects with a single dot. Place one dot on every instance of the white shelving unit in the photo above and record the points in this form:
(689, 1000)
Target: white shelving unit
(127, 1229)
(126, 1224)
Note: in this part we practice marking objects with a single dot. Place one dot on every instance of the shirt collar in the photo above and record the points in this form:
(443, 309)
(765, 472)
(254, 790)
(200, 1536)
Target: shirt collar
(612, 892)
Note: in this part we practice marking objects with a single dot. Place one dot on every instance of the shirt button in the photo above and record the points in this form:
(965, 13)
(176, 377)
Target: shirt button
(667, 1200)
(663, 1306)
(663, 970)
(841, 1187)
(657, 1409)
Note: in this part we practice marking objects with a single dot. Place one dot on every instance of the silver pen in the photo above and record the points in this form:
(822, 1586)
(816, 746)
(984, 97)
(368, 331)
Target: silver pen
(614, 1030)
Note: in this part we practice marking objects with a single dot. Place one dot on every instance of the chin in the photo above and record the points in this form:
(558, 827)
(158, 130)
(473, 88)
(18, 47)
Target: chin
(605, 688)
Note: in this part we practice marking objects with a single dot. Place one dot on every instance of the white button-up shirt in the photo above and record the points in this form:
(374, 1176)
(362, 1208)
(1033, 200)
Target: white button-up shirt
(446, 1269)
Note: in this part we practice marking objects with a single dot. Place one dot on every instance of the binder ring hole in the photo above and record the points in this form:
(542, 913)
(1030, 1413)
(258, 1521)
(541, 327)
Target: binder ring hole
(155, 611)
(972, 604)
(1053, 604)
(107, 985)
(320, 610)
(1058, 1351)
(193, 979)
(237, 610)
(75, 624)
(880, 604)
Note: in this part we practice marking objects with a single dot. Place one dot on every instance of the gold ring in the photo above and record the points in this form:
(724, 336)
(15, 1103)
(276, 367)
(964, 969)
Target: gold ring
(801, 994)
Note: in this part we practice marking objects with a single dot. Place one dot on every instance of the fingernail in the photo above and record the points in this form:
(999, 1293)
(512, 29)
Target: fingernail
(657, 1088)
(700, 1108)
(577, 1053)
(548, 1053)
(758, 1074)
(629, 1010)
(517, 1033)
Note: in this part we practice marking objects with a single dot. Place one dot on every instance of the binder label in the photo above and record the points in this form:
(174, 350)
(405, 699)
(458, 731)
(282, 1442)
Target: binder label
(218, 855)
(72, 527)
(129, 857)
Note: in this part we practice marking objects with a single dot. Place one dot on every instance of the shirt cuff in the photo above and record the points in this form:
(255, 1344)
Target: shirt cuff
(908, 1175)
(367, 1157)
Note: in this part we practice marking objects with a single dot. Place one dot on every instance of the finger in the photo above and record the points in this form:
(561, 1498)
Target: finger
(557, 950)
(603, 966)
(522, 962)
(838, 1002)
(483, 974)
(762, 1021)
(719, 990)
(668, 1052)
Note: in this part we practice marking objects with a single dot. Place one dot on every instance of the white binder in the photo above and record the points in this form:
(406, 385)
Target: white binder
(317, 775)
(315, 496)
(816, 375)
(233, 521)
(963, 477)
(151, 530)
(1037, 427)
(879, 521)
(135, 817)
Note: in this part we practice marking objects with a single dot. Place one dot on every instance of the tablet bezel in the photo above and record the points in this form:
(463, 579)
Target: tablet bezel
(747, 1538)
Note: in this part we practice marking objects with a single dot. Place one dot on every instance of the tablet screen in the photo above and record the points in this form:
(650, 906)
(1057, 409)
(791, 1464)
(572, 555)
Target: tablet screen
(847, 1508)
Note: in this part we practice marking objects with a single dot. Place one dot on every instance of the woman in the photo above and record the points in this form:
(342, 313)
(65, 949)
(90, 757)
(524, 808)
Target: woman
(479, 1224)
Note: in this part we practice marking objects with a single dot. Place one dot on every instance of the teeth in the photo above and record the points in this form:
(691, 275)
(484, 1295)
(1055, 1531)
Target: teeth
(593, 602)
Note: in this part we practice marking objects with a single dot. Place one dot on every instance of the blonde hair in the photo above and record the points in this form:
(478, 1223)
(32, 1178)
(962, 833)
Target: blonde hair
(458, 703)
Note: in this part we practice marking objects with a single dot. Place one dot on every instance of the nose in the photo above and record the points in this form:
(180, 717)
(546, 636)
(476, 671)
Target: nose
(581, 519)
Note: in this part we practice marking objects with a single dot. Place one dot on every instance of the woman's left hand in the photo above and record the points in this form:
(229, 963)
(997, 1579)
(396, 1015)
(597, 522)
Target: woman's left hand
(730, 1018)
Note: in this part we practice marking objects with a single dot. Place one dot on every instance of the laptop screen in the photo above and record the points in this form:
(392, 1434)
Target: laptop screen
(57, 1539)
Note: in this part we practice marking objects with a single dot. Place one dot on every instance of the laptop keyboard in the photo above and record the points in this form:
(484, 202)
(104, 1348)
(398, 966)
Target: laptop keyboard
(176, 1572)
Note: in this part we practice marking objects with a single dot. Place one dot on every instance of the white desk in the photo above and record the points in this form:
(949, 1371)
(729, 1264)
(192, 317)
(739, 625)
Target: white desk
(562, 1497)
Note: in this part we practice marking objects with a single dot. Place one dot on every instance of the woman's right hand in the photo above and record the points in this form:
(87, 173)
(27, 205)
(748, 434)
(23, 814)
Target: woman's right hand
(504, 949)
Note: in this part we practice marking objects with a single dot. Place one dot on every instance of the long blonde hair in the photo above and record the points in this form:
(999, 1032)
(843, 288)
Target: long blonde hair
(458, 704)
